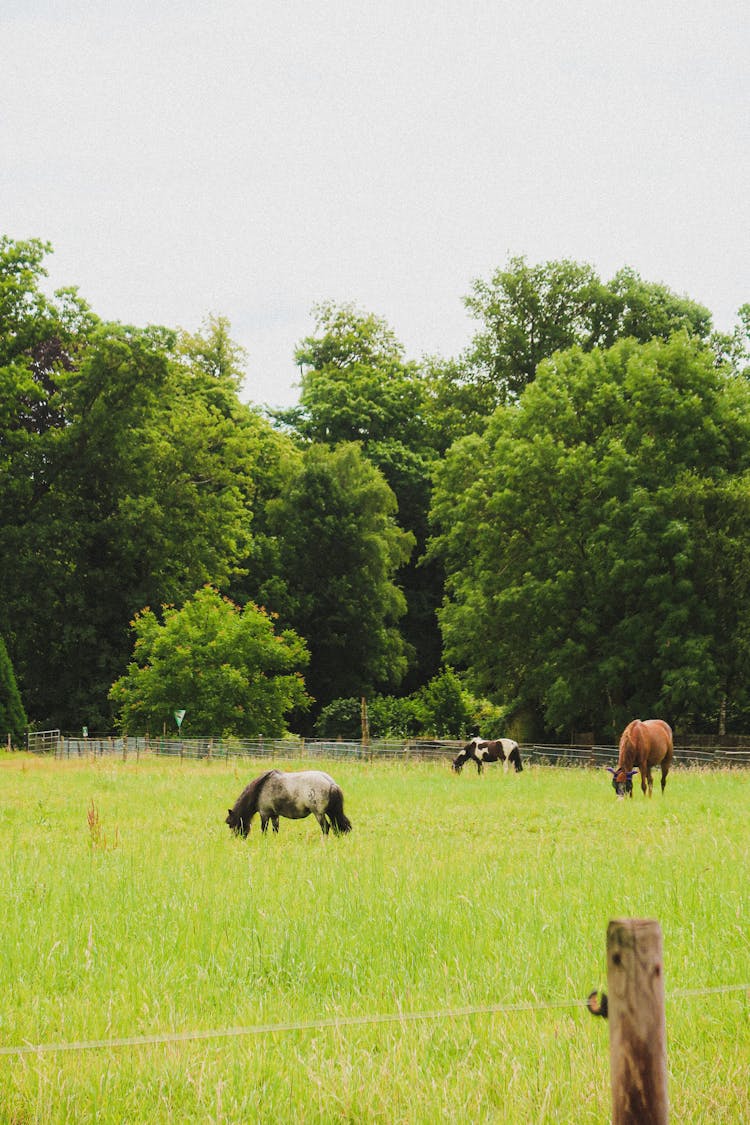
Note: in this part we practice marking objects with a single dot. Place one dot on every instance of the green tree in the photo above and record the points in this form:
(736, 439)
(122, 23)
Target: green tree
(147, 493)
(460, 399)
(594, 537)
(13, 719)
(40, 339)
(357, 386)
(212, 360)
(530, 312)
(734, 348)
(226, 666)
(446, 710)
(355, 383)
(337, 550)
(645, 310)
(127, 467)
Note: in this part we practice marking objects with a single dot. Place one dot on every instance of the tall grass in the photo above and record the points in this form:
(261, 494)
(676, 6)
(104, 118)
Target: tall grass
(130, 911)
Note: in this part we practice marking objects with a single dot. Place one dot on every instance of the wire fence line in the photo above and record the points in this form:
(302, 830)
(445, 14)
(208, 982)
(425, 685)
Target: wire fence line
(695, 750)
(336, 1022)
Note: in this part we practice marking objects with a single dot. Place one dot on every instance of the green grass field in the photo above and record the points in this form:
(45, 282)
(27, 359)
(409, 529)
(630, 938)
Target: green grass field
(129, 911)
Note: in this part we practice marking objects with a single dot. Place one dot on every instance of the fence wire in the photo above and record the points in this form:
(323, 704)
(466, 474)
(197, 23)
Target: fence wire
(335, 1022)
(689, 750)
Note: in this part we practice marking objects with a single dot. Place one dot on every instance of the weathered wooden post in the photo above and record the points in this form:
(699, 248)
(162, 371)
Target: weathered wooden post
(637, 1024)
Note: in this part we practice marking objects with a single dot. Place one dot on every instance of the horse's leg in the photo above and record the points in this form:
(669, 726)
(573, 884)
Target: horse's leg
(275, 823)
(664, 772)
(263, 823)
(480, 765)
(322, 820)
(650, 780)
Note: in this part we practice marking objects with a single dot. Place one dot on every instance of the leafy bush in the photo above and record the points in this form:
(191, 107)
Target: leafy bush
(441, 709)
(225, 665)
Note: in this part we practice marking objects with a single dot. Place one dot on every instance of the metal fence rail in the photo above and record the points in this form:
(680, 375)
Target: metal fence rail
(701, 751)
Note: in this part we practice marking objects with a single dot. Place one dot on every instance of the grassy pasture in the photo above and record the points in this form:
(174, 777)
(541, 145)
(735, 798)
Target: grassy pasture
(129, 910)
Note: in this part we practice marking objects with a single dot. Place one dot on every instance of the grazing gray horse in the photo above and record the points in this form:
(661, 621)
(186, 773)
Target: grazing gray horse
(294, 795)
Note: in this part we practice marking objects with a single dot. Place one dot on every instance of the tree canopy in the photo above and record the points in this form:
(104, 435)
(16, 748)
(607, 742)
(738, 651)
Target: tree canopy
(584, 463)
(335, 550)
(529, 312)
(356, 386)
(127, 467)
(587, 538)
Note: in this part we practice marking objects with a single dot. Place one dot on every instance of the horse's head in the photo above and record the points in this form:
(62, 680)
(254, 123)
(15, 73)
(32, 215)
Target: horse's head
(246, 805)
(237, 824)
(466, 753)
(622, 781)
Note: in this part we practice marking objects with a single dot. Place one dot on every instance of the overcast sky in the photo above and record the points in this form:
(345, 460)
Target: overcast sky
(250, 159)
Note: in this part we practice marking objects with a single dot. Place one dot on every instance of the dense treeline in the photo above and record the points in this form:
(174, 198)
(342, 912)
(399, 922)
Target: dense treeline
(551, 528)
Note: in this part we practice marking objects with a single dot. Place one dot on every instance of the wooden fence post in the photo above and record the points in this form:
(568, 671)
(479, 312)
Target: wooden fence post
(637, 1024)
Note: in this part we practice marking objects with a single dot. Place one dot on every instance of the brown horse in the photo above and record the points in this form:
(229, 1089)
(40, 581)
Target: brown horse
(642, 745)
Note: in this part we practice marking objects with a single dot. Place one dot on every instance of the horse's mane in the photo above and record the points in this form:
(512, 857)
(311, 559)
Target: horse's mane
(246, 804)
(627, 746)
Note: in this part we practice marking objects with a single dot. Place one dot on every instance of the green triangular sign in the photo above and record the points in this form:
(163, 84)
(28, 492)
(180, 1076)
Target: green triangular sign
(179, 716)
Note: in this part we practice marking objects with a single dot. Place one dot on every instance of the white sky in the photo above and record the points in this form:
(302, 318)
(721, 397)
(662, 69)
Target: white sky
(251, 159)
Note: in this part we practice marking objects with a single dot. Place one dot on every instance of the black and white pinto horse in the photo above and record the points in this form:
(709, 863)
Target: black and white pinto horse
(480, 751)
(293, 795)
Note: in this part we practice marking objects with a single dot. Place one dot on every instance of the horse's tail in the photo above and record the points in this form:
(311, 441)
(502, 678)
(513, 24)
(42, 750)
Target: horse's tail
(515, 758)
(339, 821)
